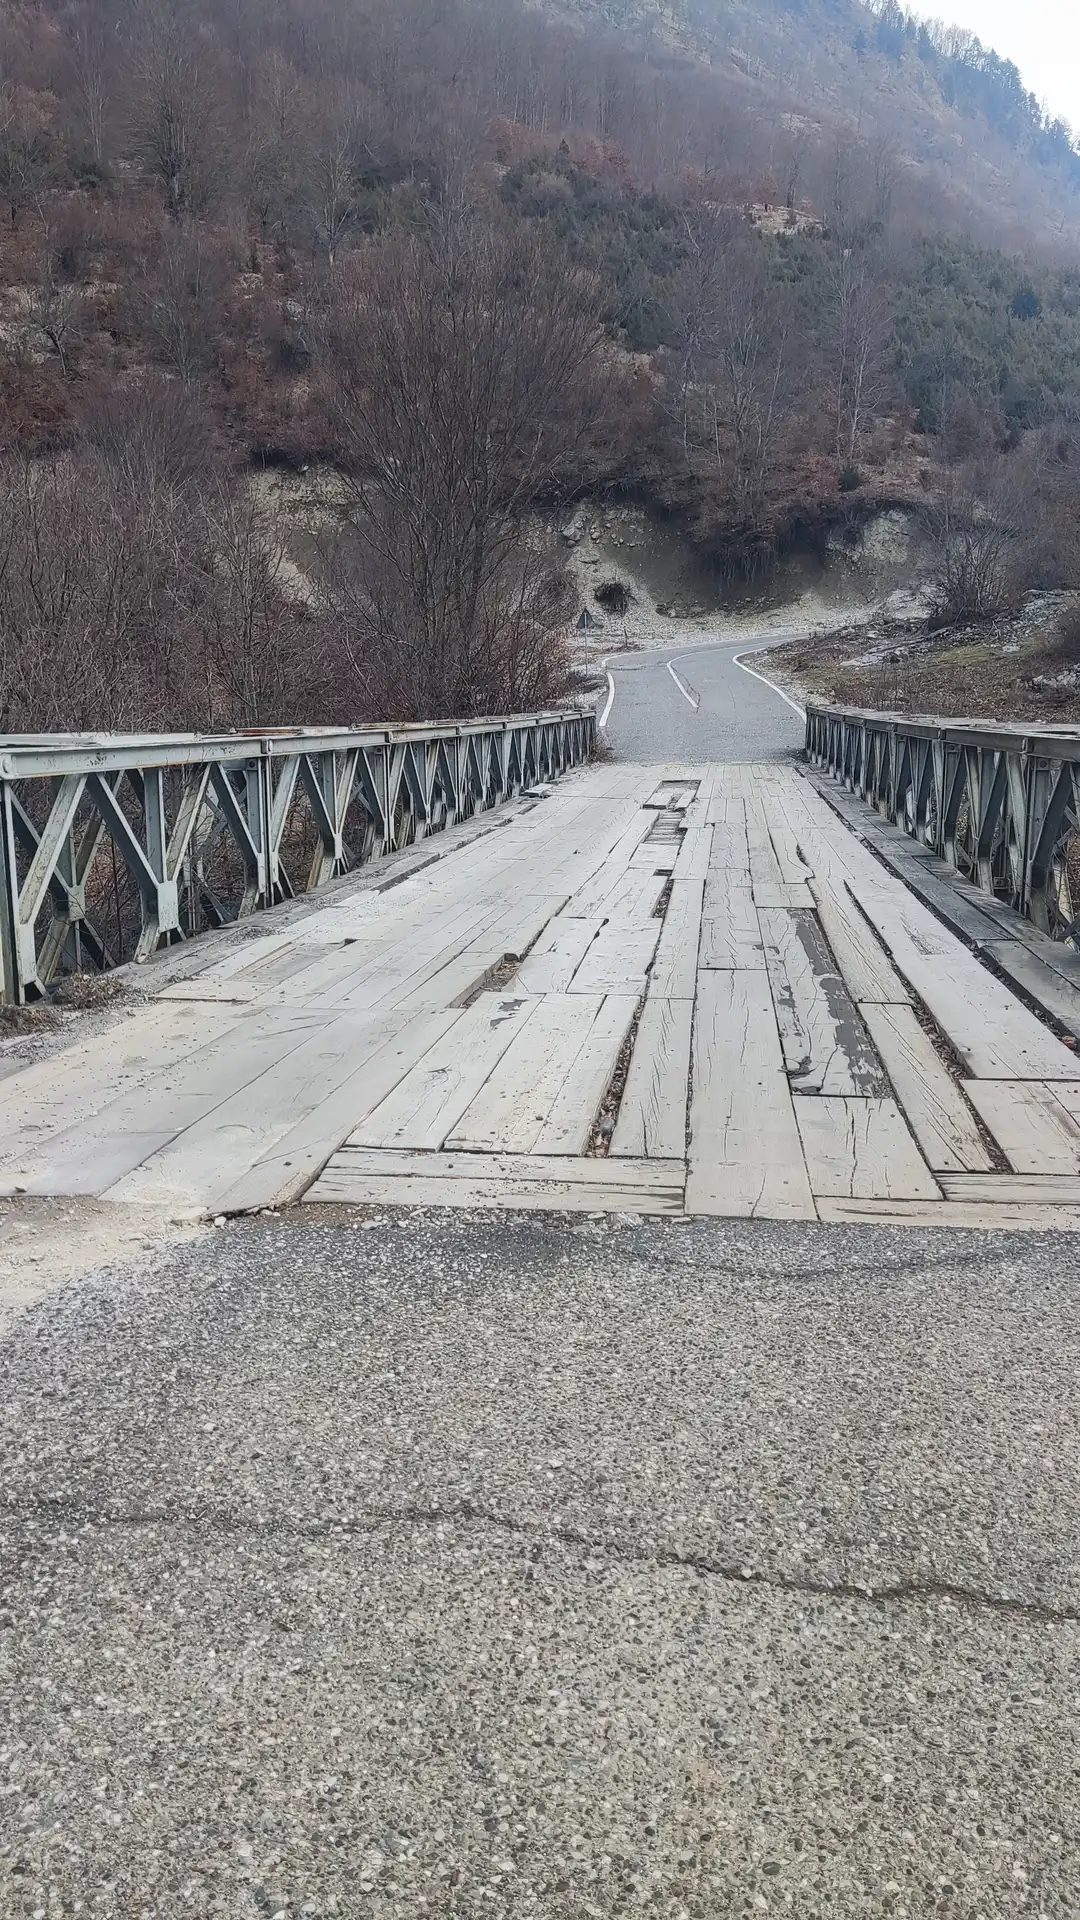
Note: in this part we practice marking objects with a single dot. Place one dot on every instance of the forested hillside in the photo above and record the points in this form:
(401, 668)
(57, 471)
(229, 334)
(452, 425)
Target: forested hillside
(763, 266)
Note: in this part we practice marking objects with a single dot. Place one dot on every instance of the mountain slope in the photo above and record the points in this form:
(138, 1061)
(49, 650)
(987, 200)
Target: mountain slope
(802, 79)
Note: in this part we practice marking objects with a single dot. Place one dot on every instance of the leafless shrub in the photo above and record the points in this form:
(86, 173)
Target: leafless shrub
(978, 524)
(461, 371)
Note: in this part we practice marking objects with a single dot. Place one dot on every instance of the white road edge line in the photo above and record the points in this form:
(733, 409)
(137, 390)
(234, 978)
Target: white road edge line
(683, 688)
(609, 702)
(754, 675)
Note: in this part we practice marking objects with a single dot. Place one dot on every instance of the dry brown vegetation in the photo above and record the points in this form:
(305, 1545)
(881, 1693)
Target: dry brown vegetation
(1025, 668)
(476, 255)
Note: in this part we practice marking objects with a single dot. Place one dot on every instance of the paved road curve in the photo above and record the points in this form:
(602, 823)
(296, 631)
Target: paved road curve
(697, 703)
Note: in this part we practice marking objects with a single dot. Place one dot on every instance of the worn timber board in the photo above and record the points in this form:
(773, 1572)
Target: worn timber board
(861, 1149)
(1031, 1126)
(826, 1046)
(745, 1154)
(937, 1112)
(653, 1112)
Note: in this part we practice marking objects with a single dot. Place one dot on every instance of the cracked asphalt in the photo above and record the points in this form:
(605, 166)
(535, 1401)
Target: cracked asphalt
(499, 1565)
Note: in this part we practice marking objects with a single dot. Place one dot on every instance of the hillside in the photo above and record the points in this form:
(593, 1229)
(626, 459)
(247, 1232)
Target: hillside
(812, 89)
(761, 268)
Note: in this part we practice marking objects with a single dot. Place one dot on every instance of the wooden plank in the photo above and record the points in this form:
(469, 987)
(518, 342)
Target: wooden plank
(868, 973)
(826, 1047)
(589, 900)
(68, 1087)
(284, 1170)
(509, 1112)
(527, 1182)
(1058, 996)
(998, 1189)
(617, 961)
(764, 865)
(449, 982)
(692, 860)
(795, 898)
(633, 902)
(140, 1122)
(433, 966)
(952, 1215)
(569, 1124)
(674, 972)
(997, 1037)
(729, 847)
(793, 868)
(589, 1171)
(730, 930)
(861, 1149)
(745, 1153)
(1031, 1126)
(422, 935)
(654, 857)
(652, 1115)
(428, 1103)
(938, 1114)
(552, 963)
(218, 1148)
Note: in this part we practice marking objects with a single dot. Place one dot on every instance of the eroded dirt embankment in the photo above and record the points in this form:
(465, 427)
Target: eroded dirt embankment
(1024, 668)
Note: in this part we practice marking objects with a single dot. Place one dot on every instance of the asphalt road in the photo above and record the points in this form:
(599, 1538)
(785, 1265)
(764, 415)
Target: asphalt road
(696, 703)
(501, 1566)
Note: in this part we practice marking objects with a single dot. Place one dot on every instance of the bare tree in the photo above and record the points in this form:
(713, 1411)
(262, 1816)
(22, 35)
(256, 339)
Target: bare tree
(858, 338)
(179, 303)
(250, 624)
(93, 76)
(24, 156)
(462, 365)
(174, 119)
(735, 349)
(54, 308)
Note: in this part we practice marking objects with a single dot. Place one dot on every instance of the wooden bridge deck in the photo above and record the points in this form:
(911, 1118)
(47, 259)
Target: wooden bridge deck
(686, 991)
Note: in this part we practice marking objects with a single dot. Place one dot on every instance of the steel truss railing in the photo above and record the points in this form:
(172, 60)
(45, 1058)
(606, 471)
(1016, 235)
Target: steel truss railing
(1001, 804)
(169, 810)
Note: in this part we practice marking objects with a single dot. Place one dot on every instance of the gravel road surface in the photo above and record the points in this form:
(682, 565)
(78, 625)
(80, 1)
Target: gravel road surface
(488, 1565)
(696, 703)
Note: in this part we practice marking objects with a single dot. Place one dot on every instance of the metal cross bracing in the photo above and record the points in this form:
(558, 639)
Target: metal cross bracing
(114, 845)
(1001, 804)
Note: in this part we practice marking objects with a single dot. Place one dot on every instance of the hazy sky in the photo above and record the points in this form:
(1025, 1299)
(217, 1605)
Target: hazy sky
(1042, 36)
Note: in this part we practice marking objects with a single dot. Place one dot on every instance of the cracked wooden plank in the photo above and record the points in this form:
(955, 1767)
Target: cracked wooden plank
(529, 1181)
(1030, 1124)
(730, 932)
(868, 973)
(552, 963)
(860, 1149)
(618, 960)
(674, 971)
(826, 1047)
(938, 1114)
(652, 1115)
(508, 1114)
(995, 1035)
(745, 1155)
(1011, 1216)
(1002, 1189)
(428, 1103)
(568, 1126)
